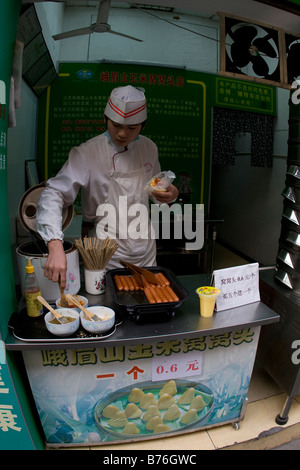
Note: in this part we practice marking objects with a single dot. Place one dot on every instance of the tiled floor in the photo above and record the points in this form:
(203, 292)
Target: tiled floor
(258, 430)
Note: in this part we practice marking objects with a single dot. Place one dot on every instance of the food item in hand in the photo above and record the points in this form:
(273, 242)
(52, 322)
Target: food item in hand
(161, 181)
(154, 183)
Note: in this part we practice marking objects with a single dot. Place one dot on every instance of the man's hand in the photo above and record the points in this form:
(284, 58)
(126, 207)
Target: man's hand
(166, 196)
(56, 264)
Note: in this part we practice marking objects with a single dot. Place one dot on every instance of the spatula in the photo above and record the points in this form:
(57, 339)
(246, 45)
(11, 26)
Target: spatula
(92, 316)
(148, 275)
(60, 318)
(63, 300)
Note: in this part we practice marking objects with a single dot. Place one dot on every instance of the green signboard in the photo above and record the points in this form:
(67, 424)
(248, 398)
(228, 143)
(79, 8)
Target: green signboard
(179, 110)
(248, 96)
(179, 115)
(14, 433)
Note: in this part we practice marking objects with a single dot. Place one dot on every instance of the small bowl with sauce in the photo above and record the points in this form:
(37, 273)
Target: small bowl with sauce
(66, 329)
(80, 298)
(106, 319)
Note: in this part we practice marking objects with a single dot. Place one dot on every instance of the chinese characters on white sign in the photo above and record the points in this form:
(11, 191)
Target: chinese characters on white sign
(238, 285)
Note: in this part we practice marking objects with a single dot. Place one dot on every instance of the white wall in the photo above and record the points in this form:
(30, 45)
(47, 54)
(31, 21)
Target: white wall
(21, 146)
(249, 198)
(163, 43)
(51, 16)
(250, 202)
(21, 140)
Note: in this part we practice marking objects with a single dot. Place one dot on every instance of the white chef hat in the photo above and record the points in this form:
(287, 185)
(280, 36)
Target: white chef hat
(126, 105)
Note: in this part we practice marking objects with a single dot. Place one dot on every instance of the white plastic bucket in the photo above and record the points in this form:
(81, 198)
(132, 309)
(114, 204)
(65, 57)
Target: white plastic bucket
(49, 289)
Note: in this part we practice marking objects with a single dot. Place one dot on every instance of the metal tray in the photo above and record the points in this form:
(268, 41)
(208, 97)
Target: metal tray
(34, 330)
(136, 303)
(119, 398)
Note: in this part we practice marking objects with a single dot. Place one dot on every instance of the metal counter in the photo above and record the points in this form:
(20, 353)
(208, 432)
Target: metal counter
(186, 322)
(72, 379)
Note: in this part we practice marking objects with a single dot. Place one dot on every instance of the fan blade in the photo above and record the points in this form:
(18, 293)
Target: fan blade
(244, 35)
(73, 33)
(293, 65)
(264, 46)
(103, 11)
(125, 35)
(240, 55)
(260, 66)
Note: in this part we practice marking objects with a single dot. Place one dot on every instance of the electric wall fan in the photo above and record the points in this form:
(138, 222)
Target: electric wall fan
(292, 44)
(251, 50)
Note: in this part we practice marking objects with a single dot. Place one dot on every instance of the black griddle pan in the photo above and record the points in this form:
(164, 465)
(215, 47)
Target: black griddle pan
(136, 304)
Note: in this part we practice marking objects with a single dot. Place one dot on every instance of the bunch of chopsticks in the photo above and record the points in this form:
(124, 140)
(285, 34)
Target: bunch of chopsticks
(96, 253)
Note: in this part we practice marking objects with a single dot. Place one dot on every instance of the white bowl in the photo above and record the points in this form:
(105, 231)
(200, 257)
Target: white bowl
(65, 329)
(80, 298)
(106, 314)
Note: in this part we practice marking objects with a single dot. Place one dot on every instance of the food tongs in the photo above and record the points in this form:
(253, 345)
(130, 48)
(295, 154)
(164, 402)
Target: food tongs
(140, 274)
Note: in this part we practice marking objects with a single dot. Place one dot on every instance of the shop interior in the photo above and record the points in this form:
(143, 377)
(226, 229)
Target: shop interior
(250, 229)
(244, 201)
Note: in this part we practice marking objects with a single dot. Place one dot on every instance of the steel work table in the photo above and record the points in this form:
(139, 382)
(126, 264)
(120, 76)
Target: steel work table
(186, 322)
(73, 380)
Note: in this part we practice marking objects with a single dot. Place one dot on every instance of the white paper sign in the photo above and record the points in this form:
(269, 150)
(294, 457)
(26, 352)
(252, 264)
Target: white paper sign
(238, 285)
(176, 365)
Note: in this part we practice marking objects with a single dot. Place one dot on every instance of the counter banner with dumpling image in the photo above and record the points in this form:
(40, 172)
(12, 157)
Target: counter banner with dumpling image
(104, 394)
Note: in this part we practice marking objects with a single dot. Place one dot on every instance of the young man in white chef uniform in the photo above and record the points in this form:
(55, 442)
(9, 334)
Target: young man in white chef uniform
(111, 165)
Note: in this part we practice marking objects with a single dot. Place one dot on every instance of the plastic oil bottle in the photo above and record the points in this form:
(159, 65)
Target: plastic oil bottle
(31, 291)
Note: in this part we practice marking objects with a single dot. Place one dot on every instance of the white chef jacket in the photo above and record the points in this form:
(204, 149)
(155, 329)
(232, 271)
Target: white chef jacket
(88, 167)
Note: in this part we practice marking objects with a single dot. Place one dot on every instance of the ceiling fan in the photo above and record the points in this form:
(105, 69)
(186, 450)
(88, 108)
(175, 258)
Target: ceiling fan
(101, 25)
